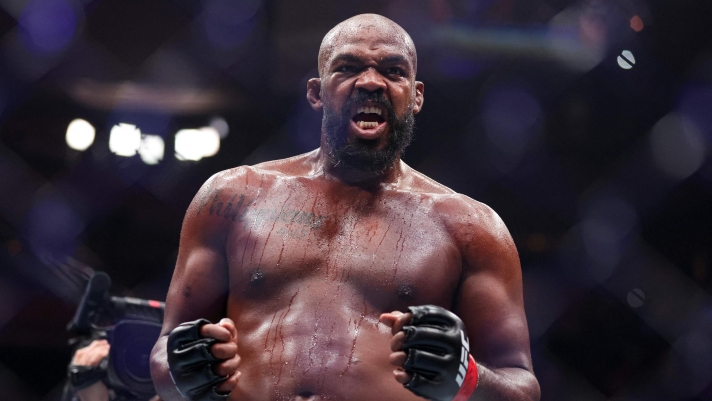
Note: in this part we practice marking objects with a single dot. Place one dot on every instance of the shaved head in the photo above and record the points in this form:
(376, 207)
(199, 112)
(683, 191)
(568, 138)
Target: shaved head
(349, 31)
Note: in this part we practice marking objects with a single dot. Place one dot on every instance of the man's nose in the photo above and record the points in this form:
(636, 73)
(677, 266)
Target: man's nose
(370, 80)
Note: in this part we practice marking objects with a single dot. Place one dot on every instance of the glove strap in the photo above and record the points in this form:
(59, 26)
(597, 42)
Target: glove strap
(469, 384)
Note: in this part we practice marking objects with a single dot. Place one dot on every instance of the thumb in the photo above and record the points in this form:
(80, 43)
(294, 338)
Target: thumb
(389, 319)
(228, 324)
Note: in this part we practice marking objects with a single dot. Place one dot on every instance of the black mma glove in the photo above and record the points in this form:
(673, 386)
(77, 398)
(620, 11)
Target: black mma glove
(190, 363)
(438, 355)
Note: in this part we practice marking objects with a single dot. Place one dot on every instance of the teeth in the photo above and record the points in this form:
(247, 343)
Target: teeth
(369, 110)
(367, 124)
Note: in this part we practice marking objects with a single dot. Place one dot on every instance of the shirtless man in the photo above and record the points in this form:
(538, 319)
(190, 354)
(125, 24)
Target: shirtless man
(302, 260)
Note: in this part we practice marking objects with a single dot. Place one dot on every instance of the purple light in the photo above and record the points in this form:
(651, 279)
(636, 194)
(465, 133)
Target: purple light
(509, 117)
(695, 104)
(228, 23)
(47, 26)
(52, 227)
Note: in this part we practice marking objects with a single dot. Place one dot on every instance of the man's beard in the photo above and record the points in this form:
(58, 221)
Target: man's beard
(362, 155)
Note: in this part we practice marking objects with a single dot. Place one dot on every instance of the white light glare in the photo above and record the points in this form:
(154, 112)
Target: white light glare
(124, 139)
(626, 60)
(194, 144)
(151, 149)
(80, 134)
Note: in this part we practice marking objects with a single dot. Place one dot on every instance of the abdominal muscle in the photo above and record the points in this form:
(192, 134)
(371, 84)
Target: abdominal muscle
(315, 341)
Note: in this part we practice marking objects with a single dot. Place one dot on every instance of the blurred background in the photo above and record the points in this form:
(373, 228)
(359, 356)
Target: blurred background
(586, 125)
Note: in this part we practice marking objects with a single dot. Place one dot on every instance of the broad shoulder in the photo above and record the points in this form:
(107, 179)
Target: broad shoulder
(468, 220)
(472, 224)
(480, 234)
(250, 180)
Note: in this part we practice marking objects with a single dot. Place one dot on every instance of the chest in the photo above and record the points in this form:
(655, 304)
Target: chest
(389, 248)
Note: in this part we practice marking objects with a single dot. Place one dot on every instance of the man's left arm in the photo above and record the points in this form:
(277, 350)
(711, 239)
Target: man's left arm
(489, 305)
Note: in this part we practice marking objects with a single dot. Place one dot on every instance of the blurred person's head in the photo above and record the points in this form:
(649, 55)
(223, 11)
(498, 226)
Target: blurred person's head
(367, 92)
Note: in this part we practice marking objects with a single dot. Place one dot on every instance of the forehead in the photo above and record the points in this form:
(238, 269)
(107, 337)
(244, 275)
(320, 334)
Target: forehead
(369, 40)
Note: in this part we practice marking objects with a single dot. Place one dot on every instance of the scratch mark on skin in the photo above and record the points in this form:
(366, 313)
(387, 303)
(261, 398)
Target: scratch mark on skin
(358, 330)
(272, 229)
(281, 335)
(247, 242)
(402, 245)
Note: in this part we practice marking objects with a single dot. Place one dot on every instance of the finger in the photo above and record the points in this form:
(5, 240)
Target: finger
(230, 326)
(224, 350)
(397, 341)
(426, 362)
(227, 367)
(215, 331)
(416, 336)
(397, 358)
(403, 320)
(387, 318)
(229, 384)
(402, 376)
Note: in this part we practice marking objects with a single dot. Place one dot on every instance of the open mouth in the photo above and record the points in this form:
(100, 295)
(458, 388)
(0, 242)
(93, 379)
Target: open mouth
(369, 117)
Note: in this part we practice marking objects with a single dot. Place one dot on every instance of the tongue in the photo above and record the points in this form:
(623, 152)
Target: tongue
(368, 117)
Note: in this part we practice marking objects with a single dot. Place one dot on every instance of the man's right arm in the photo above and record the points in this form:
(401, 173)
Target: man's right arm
(199, 289)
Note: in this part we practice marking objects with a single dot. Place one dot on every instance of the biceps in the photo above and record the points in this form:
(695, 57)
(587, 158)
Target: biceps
(493, 312)
(199, 287)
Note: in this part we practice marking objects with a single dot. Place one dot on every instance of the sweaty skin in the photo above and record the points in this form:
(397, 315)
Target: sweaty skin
(304, 258)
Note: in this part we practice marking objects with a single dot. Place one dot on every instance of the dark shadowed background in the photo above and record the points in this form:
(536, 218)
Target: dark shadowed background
(587, 125)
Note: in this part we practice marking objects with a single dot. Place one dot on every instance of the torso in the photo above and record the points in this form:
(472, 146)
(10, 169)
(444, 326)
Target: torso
(312, 264)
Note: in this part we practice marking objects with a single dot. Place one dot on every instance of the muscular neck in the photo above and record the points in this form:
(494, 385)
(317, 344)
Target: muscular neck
(391, 176)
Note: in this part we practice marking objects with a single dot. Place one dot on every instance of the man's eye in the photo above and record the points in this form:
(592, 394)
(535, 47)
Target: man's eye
(395, 71)
(346, 68)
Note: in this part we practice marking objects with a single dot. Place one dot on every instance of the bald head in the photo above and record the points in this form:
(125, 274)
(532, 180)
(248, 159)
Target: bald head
(353, 29)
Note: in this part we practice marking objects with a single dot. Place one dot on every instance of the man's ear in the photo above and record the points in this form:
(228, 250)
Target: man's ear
(314, 94)
(419, 89)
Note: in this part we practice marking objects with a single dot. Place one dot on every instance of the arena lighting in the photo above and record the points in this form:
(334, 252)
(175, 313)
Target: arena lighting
(194, 144)
(151, 149)
(80, 134)
(124, 139)
(210, 140)
(626, 60)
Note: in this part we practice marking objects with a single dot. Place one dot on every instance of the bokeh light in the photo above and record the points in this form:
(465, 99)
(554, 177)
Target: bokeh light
(626, 60)
(124, 139)
(80, 134)
(151, 149)
(677, 145)
(636, 23)
(194, 144)
(221, 126)
(47, 25)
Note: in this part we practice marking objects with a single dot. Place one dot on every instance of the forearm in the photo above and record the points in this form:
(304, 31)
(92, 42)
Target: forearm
(510, 384)
(165, 387)
(95, 392)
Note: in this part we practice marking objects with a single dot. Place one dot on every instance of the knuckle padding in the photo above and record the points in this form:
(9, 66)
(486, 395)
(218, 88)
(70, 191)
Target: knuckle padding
(197, 353)
(419, 385)
(190, 362)
(200, 379)
(426, 362)
(427, 338)
(432, 315)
